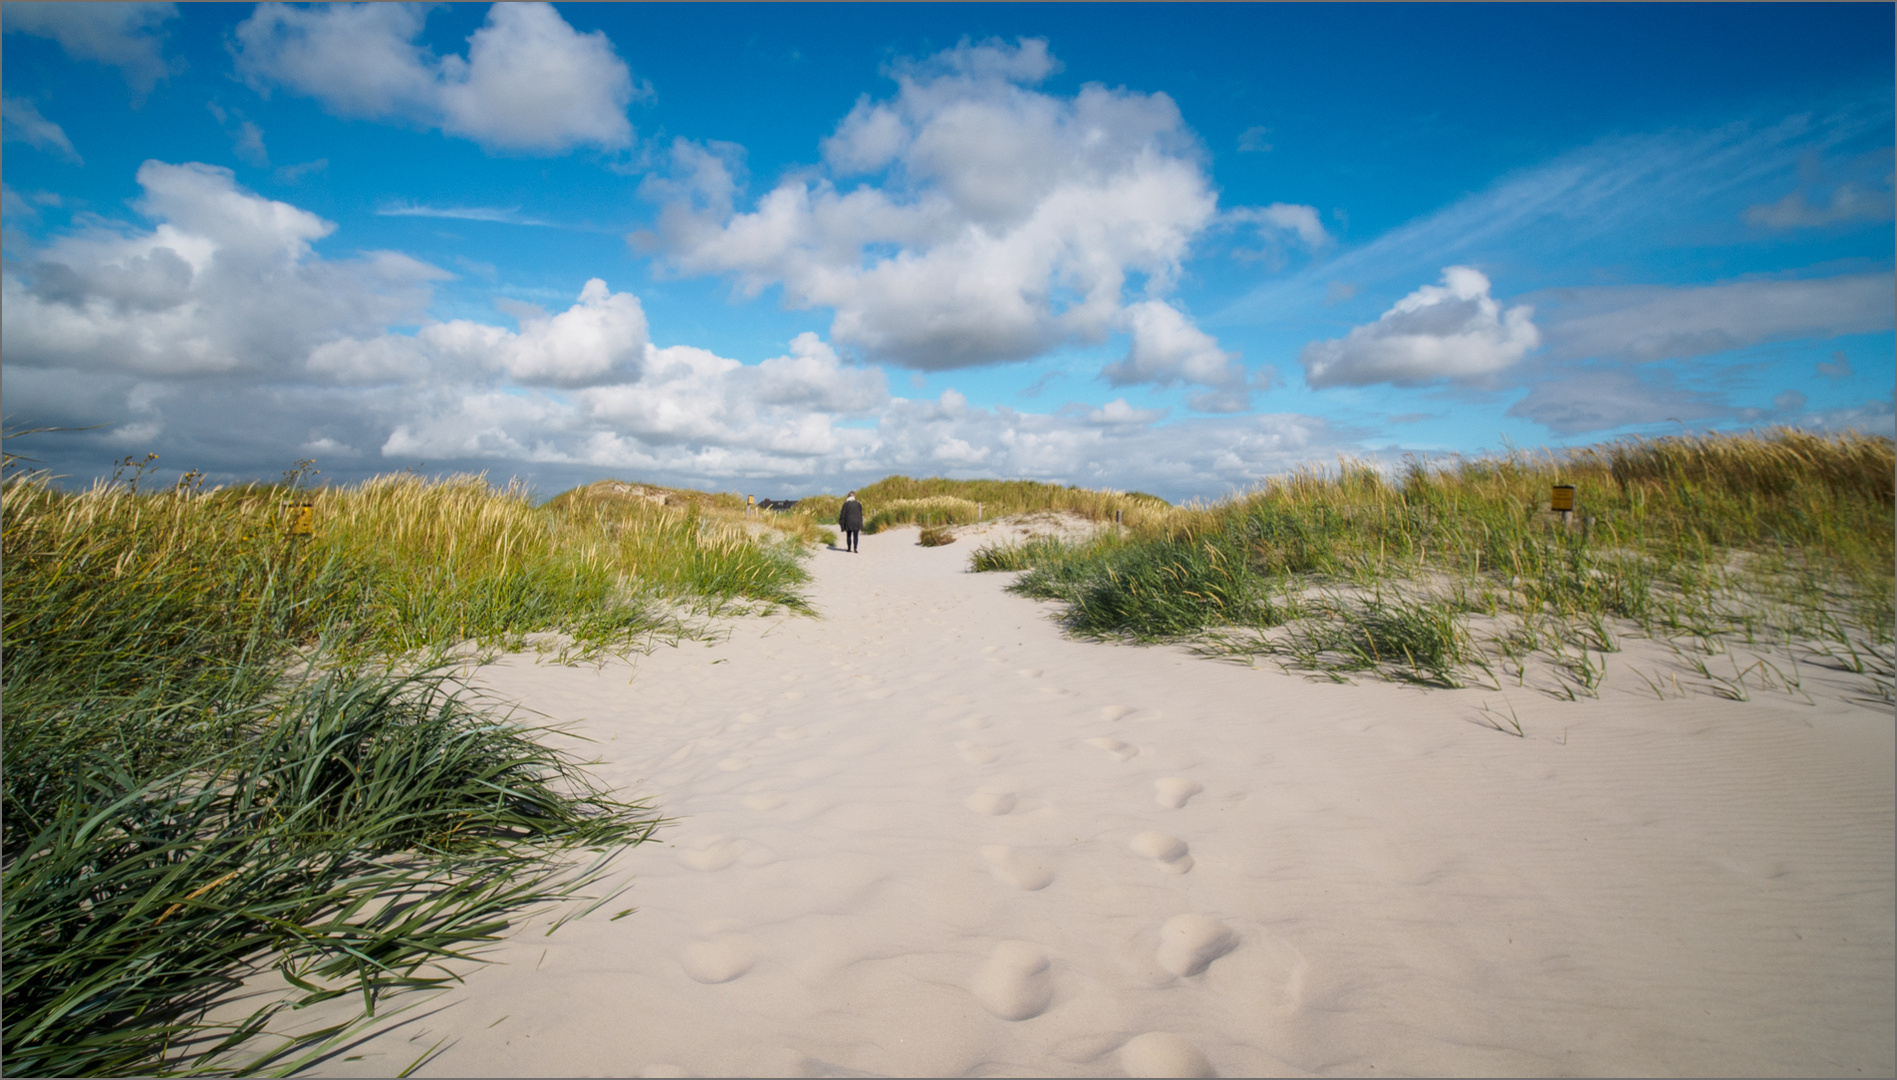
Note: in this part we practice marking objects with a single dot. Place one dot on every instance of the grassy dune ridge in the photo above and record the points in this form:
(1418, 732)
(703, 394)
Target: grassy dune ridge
(901, 500)
(1460, 571)
(210, 761)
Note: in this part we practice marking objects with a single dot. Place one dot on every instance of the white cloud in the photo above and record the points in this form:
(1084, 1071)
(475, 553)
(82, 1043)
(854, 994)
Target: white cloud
(530, 82)
(246, 136)
(508, 215)
(1118, 411)
(1454, 330)
(997, 222)
(1167, 349)
(1252, 140)
(600, 338)
(294, 174)
(1848, 202)
(125, 36)
(1286, 217)
(23, 121)
(219, 337)
(1662, 322)
(225, 281)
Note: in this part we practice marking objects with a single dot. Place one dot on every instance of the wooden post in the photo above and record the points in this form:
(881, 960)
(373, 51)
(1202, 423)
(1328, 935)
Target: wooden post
(750, 506)
(1117, 530)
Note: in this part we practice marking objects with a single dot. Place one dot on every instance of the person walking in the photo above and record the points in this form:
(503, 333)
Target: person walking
(851, 520)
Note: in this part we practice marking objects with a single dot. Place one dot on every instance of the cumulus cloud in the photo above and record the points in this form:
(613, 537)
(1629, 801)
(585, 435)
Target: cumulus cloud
(991, 222)
(125, 36)
(1167, 349)
(1454, 330)
(1665, 322)
(23, 122)
(599, 338)
(225, 281)
(217, 335)
(530, 82)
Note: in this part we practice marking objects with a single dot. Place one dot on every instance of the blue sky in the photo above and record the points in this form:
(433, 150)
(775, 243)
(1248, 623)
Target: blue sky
(785, 249)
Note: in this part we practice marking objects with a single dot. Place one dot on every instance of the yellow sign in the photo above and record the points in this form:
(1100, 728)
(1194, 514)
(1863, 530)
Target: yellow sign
(1562, 500)
(302, 519)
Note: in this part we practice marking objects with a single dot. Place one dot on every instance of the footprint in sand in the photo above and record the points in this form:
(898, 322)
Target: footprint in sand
(1020, 870)
(1015, 982)
(990, 802)
(789, 733)
(1118, 749)
(1172, 792)
(1167, 850)
(718, 959)
(1116, 712)
(1029, 672)
(1189, 943)
(1161, 1053)
(976, 754)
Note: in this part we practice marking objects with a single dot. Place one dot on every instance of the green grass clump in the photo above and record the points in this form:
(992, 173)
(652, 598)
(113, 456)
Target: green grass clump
(1026, 555)
(1768, 536)
(932, 511)
(352, 832)
(209, 764)
(935, 536)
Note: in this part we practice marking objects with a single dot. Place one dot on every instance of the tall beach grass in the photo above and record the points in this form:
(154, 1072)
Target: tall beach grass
(225, 745)
(1459, 570)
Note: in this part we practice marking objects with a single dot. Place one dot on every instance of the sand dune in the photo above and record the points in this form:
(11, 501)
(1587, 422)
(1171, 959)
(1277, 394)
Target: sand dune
(926, 835)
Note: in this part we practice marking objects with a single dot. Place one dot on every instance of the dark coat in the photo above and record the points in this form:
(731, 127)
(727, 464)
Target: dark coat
(851, 519)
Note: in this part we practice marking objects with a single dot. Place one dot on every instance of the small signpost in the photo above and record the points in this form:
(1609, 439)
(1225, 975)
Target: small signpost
(750, 506)
(1561, 501)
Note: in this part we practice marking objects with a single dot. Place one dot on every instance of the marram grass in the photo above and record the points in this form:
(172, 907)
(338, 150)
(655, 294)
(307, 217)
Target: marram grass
(211, 764)
(1450, 572)
(902, 500)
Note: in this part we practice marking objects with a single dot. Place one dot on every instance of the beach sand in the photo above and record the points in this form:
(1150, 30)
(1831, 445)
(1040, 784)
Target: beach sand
(926, 834)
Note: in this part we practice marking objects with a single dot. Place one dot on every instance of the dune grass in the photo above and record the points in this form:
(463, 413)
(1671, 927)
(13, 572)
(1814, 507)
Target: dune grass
(1452, 572)
(225, 746)
(902, 500)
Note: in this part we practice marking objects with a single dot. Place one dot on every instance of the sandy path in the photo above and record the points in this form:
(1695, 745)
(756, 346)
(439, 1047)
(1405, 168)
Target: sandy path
(926, 835)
